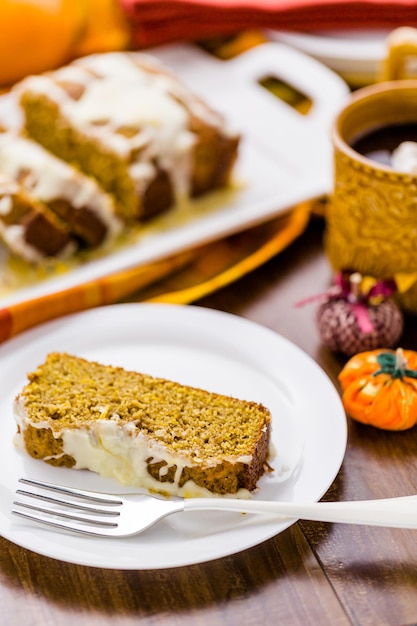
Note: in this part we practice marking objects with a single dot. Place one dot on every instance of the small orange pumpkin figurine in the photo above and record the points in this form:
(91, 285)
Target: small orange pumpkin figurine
(380, 388)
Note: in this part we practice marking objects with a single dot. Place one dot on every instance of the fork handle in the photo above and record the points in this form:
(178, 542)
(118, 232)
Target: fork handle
(391, 512)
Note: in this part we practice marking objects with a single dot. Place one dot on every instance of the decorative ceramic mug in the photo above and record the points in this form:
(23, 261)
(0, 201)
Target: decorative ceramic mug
(371, 218)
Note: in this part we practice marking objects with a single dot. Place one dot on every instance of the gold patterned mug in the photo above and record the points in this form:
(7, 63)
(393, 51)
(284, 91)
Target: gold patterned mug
(371, 218)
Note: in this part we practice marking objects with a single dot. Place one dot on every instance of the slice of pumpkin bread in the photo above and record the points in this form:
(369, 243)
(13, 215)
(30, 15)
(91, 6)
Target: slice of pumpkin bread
(127, 121)
(141, 430)
(77, 200)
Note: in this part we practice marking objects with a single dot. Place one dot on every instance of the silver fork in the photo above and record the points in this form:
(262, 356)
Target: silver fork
(113, 515)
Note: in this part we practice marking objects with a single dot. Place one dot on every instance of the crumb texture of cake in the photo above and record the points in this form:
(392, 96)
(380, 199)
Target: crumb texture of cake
(47, 203)
(140, 430)
(125, 120)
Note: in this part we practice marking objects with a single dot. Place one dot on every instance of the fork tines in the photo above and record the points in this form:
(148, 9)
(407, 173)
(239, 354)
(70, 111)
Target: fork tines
(68, 508)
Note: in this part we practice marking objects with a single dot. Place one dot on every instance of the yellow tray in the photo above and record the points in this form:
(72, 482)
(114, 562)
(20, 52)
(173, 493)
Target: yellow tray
(181, 279)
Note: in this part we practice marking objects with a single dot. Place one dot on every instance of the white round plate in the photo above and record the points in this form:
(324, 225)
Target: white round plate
(216, 351)
(355, 55)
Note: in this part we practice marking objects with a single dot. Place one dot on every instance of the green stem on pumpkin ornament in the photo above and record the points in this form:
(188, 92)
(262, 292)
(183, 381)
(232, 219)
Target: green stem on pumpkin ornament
(394, 364)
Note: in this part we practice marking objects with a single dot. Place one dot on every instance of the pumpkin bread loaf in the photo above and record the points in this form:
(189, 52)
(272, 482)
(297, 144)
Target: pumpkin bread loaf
(141, 430)
(124, 119)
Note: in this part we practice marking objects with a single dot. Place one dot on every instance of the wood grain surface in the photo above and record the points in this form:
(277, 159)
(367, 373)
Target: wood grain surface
(312, 573)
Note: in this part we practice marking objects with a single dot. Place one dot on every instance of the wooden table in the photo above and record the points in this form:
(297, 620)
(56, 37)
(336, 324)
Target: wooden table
(312, 573)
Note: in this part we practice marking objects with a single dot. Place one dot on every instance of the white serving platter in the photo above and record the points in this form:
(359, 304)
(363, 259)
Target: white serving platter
(285, 156)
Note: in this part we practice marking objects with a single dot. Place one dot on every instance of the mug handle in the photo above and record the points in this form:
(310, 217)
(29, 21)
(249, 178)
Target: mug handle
(402, 46)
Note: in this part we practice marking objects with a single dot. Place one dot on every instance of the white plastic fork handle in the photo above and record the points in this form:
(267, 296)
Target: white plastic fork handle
(391, 512)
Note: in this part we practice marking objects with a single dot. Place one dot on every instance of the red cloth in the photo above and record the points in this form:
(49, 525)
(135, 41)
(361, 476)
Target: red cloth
(155, 22)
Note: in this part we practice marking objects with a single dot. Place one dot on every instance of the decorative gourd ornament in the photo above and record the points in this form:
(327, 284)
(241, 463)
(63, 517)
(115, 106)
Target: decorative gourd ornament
(353, 320)
(380, 388)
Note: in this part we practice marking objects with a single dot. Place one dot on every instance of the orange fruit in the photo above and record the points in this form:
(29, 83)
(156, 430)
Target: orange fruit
(37, 35)
(105, 28)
